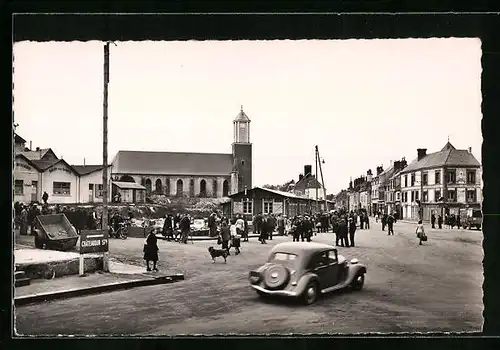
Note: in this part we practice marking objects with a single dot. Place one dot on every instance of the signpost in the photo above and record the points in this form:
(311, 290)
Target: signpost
(92, 241)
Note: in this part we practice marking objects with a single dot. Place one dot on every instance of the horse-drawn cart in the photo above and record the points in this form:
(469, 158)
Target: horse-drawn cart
(54, 232)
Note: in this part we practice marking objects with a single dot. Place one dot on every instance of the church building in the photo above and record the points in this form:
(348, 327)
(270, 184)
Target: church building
(188, 175)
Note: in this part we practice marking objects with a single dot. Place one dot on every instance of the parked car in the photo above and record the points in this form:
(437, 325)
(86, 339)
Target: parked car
(304, 270)
(475, 220)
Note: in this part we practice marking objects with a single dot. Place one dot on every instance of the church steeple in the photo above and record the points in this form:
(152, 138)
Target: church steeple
(241, 128)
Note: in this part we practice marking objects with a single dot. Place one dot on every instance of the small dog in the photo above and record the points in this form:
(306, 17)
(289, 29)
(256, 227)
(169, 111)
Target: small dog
(215, 253)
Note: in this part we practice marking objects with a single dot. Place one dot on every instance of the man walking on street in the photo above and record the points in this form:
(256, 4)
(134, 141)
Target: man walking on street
(384, 221)
(433, 220)
(390, 225)
(440, 221)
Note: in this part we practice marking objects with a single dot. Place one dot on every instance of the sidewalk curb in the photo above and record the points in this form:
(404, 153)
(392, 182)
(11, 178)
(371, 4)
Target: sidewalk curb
(111, 287)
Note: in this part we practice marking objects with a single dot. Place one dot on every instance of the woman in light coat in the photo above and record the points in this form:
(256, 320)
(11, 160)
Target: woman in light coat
(420, 232)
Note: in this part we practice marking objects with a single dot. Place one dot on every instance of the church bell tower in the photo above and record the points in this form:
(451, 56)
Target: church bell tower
(241, 176)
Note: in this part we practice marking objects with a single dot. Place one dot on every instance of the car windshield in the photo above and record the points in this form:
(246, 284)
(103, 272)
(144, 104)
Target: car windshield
(283, 256)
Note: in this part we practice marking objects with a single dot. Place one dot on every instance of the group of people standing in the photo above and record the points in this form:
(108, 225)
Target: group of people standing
(177, 227)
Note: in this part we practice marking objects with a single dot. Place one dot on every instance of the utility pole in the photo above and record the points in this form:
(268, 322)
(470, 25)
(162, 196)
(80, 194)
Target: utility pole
(105, 152)
(316, 158)
(322, 180)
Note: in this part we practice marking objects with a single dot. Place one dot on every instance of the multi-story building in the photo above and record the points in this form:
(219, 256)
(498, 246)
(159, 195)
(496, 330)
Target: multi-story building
(375, 194)
(342, 200)
(308, 185)
(393, 189)
(365, 193)
(444, 182)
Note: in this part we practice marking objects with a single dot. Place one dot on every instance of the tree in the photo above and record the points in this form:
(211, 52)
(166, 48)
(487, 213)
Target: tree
(283, 187)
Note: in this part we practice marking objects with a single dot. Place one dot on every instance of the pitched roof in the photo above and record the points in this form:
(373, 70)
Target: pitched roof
(86, 169)
(36, 155)
(172, 163)
(128, 185)
(43, 165)
(448, 156)
(241, 117)
(30, 162)
(18, 139)
(308, 181)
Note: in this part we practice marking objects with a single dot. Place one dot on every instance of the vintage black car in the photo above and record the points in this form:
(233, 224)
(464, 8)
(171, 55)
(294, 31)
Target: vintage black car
(304, 270)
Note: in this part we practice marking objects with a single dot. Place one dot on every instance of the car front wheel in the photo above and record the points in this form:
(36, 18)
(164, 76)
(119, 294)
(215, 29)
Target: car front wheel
(358, 282)
(310, 294)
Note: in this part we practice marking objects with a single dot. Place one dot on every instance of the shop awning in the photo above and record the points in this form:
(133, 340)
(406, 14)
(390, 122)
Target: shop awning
(128, 185)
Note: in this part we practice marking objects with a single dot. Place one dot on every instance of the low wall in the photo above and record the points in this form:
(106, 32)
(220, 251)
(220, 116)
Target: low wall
(62, 268)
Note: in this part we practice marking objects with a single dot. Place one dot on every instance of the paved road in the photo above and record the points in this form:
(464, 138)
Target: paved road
(409, 288)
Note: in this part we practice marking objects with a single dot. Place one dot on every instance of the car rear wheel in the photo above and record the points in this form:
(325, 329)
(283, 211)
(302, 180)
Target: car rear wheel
(310, 294)
(358, 282)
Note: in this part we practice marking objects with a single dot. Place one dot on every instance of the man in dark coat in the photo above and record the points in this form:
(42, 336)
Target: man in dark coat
(384, 221)
(212, 225)
(281, 225)
(390, 225)
(440, 221)
(433, 220)
(342, 231)
(45, 197)
(272, 226)
(352, 231)
(258, 223)
(167, 231)
(185, 226)
(307, 229)
(151, 251)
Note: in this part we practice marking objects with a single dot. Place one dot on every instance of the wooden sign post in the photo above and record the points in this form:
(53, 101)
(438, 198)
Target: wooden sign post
(92, 241)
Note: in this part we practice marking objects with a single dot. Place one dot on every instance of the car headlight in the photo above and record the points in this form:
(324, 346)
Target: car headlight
(354, 261)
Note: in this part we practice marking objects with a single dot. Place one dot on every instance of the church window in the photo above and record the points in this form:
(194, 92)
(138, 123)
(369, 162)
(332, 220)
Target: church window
(179, 189)
(247, 206)
(214, 187)
(191, 188)
(225, 188)
(158, 186)
(203, 188)
(147, 184)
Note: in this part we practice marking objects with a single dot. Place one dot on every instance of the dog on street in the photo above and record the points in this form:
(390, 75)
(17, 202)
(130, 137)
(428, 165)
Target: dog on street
(215, 253)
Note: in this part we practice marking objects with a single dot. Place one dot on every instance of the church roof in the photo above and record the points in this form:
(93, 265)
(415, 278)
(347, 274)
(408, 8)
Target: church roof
(448, 156)
(172, 163)
(241, 117)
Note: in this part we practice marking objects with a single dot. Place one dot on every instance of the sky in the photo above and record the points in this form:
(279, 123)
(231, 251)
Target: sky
(365, 103)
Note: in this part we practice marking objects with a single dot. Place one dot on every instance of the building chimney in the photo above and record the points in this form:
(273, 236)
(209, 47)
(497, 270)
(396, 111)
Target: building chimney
(38, 148)
(369, 175)
(83, 161)
(307, 170)
(31, 144)
(380, 170)
(421, 153)
(301, 177)
(397, 165)
(470, 149)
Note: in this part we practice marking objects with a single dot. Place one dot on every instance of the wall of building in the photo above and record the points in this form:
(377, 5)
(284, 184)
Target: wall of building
(28, 174)
(95, 178)
(169, 184)
(60, 173)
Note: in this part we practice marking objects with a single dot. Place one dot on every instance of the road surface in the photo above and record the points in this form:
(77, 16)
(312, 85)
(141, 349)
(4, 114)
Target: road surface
(409, 288)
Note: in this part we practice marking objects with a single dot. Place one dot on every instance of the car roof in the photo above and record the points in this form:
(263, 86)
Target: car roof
(301, 247)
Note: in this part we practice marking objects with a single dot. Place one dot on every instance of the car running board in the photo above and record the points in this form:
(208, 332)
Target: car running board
(336, 287)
